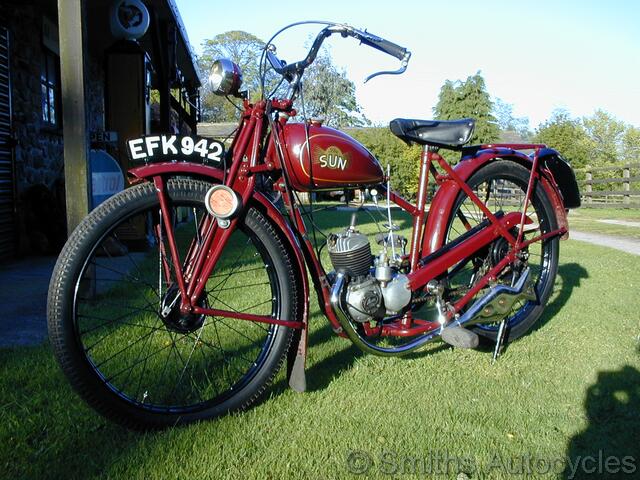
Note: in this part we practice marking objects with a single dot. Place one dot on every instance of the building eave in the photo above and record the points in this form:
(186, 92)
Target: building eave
(185, 39)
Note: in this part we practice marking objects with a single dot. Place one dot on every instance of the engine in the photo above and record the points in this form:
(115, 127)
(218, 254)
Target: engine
(376, 288)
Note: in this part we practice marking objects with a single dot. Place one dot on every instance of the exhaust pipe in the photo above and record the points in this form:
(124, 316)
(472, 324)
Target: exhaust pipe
(490, 308)
(337, 302)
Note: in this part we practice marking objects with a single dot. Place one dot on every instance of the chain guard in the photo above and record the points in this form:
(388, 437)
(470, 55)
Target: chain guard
(498, 308)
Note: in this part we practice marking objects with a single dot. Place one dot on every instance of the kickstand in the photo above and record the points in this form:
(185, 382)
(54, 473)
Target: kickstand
(502, 330)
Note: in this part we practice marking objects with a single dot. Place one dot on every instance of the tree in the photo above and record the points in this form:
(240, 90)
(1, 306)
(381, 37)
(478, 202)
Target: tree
(598, 140)
(631, 145)
(241, 48)
(605, 133)
(469, 99)
(503, 112)
(330, 95)
(568, 136)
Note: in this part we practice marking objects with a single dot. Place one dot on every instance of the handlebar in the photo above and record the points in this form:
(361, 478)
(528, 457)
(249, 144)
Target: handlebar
(381, 44)
(292, 70)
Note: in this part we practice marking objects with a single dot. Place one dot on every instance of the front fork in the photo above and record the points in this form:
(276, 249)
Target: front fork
(166, 221)
(190, 276)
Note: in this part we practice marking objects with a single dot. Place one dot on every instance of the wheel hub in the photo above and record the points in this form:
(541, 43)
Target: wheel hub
(499, 249)
(173, 318)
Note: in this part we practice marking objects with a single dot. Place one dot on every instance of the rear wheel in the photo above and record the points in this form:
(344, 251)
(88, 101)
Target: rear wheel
(118, 336)
(502, 186)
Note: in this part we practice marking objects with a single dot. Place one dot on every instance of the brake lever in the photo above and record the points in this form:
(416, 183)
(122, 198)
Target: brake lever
(403, 66)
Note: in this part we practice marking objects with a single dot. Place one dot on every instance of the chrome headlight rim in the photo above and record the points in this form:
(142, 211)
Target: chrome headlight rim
(225, 78)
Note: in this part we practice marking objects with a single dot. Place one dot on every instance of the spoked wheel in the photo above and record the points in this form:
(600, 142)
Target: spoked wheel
(114, 317)
(502, 186)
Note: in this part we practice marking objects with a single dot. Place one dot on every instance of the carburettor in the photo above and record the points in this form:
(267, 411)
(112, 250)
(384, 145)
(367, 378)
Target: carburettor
(372, 293)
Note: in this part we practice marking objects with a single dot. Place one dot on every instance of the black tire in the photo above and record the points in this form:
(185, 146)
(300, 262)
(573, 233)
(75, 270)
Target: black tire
(230, 362)
(507, 177)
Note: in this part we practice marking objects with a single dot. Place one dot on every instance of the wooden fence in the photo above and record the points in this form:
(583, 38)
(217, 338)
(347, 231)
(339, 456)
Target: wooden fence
(615, 186)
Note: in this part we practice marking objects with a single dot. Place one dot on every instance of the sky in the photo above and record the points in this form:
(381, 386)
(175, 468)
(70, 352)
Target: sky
(536, 55)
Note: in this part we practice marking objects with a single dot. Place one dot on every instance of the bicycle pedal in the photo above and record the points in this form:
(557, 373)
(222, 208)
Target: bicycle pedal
(460, 337)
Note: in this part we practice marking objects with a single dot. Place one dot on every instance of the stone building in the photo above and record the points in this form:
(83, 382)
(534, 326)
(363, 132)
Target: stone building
(134, 85)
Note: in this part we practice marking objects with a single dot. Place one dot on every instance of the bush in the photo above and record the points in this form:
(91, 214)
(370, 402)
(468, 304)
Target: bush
(388, 149)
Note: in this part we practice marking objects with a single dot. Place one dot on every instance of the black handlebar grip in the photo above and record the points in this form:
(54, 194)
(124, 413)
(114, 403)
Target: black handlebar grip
(384, 46)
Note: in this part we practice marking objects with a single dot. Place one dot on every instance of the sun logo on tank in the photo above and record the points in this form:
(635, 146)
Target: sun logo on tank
(332, 158)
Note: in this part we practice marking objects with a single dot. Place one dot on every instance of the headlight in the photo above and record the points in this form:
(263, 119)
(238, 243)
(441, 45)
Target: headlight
(225, 78)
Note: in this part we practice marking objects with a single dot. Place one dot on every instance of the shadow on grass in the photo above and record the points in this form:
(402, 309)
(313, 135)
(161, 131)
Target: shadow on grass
(608, 447)
(571, 274)
(321, 374)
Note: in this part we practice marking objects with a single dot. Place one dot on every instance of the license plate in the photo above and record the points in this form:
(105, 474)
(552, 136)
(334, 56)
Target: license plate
(166, 148)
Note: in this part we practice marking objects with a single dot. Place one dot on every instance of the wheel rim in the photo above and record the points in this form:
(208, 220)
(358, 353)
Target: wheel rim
(504, 193)
(134, 351)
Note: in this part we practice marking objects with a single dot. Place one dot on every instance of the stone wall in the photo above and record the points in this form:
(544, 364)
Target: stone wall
(39, 159)
(39, 150)
(38, 153)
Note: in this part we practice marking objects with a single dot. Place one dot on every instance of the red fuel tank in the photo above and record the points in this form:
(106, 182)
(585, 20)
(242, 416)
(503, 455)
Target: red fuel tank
(337, 160)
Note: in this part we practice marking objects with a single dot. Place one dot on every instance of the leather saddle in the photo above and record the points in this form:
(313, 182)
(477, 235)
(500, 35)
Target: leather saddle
(451, 134)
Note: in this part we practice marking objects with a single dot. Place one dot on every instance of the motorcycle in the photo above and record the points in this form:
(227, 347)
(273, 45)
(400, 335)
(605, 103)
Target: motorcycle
(180, 298)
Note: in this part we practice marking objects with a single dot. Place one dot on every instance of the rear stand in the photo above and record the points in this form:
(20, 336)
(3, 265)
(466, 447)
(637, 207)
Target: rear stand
(502, 333)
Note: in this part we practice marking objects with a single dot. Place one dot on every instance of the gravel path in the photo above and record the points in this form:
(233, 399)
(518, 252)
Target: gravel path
(627, 245)
(23, 301)
(624, 223)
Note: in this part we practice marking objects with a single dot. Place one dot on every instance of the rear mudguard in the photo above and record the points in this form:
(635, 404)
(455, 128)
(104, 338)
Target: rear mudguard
(556, 177)
(262, 203)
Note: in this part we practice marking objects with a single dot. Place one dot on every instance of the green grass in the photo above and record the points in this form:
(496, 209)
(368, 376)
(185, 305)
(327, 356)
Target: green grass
(586, 220)
(630, 214)
(570, 387)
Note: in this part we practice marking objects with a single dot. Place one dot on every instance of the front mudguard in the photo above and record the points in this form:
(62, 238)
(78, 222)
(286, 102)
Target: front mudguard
(261, 202)
(187, 169)
(558, 183)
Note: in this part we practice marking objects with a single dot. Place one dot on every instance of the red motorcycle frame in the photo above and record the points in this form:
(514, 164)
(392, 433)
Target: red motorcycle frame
(427, 240)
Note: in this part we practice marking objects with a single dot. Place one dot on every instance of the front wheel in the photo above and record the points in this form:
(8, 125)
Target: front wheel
(502, 186)
(113, 286)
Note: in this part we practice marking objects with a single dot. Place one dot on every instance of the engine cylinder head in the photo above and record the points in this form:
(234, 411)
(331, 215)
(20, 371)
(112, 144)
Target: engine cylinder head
(350, 252)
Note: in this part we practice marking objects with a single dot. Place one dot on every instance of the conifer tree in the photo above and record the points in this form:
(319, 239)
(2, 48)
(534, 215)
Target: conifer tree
(469, 99)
